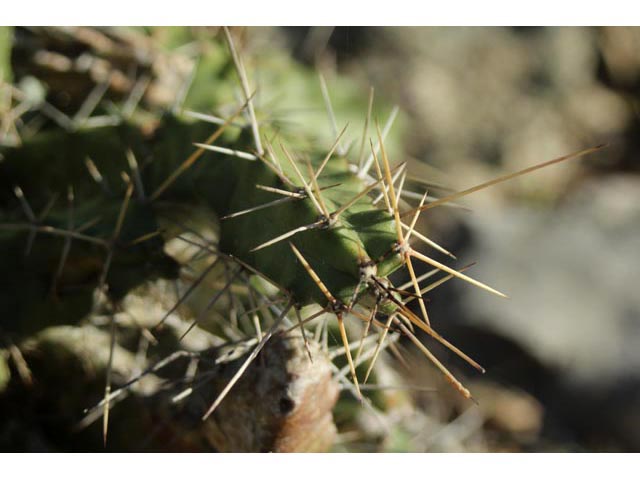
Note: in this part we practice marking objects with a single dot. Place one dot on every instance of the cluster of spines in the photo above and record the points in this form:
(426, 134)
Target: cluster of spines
(402, 319)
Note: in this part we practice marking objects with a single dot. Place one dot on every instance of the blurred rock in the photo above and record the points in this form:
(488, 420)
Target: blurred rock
(620, 48)
(573, 282)
(509, 411)
(488, 100)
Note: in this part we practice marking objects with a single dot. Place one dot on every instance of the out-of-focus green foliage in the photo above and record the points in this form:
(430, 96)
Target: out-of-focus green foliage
(6, 34)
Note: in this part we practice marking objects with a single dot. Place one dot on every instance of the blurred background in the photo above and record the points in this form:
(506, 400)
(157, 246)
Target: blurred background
(563, 353)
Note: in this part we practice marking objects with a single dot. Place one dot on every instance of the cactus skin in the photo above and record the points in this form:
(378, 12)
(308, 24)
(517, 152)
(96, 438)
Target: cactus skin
(224, 184)
(42, 311)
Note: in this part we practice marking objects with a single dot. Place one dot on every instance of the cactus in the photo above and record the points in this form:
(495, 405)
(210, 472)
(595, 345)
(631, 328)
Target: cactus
(289, 232)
